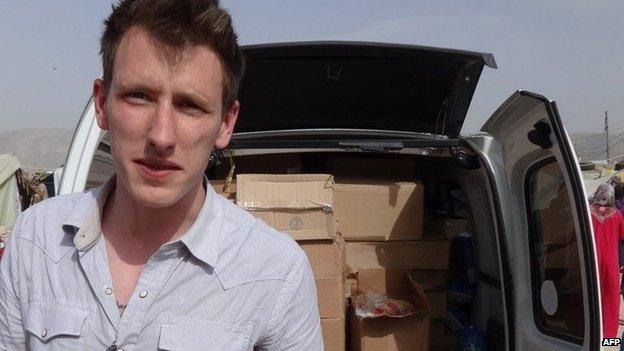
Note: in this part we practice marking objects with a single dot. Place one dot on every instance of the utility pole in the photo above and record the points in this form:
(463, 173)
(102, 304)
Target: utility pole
(607, 133)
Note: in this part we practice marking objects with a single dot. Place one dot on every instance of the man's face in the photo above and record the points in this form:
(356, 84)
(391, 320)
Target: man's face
(165, 115)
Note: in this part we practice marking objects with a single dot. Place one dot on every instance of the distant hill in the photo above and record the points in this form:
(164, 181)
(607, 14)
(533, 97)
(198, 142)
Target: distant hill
(37, 149)
(592, 146)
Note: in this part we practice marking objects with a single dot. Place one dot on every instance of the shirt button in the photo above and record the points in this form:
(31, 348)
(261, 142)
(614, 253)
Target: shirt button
(44, 333)
(108, 291)
(143, 293)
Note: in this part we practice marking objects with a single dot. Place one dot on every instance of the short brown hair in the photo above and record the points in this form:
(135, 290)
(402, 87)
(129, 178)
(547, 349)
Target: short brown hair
(177, 24)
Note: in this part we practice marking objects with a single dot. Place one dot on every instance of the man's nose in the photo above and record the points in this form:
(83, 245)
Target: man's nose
(162, 130)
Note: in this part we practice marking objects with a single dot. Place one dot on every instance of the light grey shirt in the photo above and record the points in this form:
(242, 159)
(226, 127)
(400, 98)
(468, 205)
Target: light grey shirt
(230, 283)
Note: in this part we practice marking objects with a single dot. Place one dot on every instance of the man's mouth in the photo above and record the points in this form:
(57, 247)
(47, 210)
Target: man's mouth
(156, 169)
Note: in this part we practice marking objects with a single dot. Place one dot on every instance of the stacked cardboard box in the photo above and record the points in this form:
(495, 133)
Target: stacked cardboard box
(387, 333)
(302, 206)
(327, 261)
(299, 204)
(436, 228)
(441, 338)
(379, 210)
(381, 220)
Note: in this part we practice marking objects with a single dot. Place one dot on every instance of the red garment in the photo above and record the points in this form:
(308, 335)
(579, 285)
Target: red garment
(608, 231)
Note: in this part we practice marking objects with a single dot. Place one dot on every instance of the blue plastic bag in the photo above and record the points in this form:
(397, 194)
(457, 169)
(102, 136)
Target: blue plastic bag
(472, 339)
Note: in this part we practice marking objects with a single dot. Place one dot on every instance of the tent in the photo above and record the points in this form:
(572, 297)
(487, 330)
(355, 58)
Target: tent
(10, 205)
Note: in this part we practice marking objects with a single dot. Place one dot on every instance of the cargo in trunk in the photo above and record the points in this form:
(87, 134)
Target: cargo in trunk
(299, 204)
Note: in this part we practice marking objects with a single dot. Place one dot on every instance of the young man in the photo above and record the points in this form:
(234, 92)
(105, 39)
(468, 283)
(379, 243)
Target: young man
(154, 259)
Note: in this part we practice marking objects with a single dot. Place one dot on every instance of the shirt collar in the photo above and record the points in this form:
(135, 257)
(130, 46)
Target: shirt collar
(85, 221)
(201, 239)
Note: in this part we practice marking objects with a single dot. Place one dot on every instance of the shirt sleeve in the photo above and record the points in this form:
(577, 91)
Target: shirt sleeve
(295, 323)
(11, 330)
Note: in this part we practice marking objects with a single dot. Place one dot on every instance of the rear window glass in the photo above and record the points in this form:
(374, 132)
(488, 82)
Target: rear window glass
(556, 272)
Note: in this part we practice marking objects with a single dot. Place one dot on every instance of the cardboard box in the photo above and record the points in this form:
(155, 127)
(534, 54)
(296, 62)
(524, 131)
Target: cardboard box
(393, 282)
(444, 228)
(441, 338)
(391, 334)
(437, 330)
(450, 343)
(430, 279)
(220, 187)
(350, 285)
(334, 338)
(398, 254)
(378, 168)
(330, 296)
(327, 259)
(299, 204)
(367, 210)
(437, 301)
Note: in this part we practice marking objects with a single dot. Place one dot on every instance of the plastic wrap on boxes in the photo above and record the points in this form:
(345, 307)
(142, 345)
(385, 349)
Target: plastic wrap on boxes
(372, 304)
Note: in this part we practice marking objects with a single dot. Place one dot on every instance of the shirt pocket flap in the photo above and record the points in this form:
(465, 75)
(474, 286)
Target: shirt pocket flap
(46, 321)
(201, 335)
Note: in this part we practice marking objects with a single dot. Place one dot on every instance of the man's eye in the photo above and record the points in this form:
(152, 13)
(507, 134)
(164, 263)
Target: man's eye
(137, 96)
(189, 105)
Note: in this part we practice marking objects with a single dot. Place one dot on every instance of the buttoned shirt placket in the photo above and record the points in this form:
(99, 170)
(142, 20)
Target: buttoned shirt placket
(94, 263)
(93, 259)
(156, 273)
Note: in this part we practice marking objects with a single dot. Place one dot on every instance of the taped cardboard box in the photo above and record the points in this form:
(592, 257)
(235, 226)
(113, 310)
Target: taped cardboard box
(334, 338)
(367, 210)
(327, 260)
(299, 204)
(391, 334)
(444, 228)
(398, 254)
(378, 168)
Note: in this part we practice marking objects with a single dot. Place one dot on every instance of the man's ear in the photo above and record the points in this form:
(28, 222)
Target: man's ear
(227, 126)
(99, 100)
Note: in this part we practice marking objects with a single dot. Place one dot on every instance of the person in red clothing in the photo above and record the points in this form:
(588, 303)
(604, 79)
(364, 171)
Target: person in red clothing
(608, 226)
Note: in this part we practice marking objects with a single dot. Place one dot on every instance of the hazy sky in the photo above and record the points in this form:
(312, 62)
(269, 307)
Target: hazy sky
(572, 51)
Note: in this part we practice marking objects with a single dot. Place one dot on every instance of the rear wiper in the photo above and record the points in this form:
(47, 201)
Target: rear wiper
(371, 146)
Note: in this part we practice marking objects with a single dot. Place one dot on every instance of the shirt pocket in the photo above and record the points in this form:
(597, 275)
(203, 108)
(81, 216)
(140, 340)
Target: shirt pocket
(53, 327)
(200, 335)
